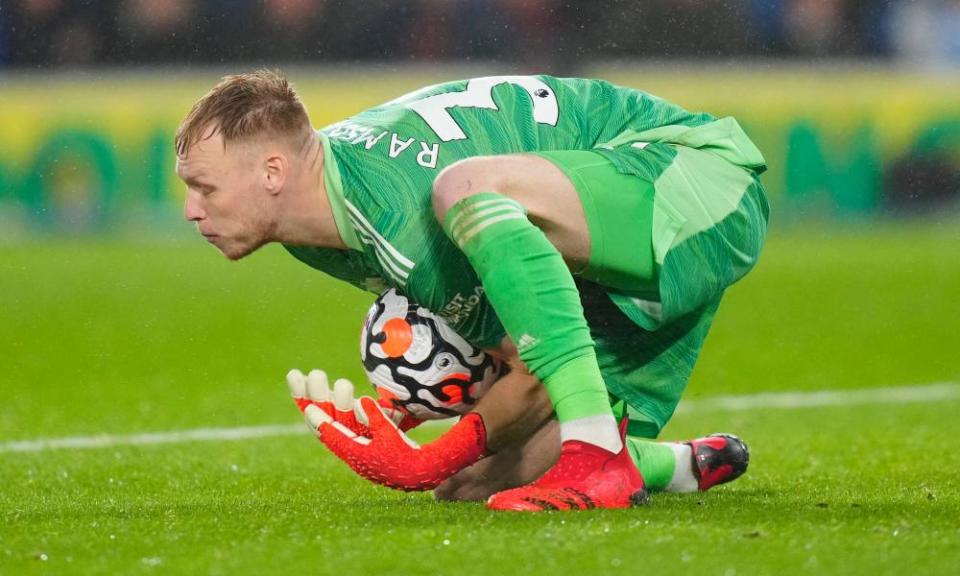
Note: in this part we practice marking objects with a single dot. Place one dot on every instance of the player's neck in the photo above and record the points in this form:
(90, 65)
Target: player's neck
(308, 218)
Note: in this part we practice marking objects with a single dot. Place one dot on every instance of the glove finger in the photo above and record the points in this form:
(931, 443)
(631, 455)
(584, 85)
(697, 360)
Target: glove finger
(316, 417)
(371, 415)
(359, 414)
(297, 383)
(397, 416)
(380, 425)
(318, 386)
(326, 407)
(343, 395)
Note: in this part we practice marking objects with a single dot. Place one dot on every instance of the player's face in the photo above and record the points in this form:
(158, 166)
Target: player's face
(226, 197)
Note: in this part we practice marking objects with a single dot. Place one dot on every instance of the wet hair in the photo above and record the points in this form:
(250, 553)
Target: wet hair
(245, 107)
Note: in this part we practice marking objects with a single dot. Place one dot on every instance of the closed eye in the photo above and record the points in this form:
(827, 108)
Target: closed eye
(203, 188)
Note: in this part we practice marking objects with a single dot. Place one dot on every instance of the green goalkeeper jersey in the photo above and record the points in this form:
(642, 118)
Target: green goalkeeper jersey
(380, 166)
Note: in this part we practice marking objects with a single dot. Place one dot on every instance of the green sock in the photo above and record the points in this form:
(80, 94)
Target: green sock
(656, 461)
(530, 287)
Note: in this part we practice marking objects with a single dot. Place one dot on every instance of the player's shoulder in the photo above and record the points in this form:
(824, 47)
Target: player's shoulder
(383, 169)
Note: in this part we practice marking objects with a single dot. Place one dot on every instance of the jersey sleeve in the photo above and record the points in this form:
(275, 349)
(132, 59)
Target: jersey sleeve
(603, 110)
(335, 263)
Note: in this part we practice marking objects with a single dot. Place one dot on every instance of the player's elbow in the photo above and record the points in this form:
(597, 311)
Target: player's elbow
(449, 187)
(460, 180)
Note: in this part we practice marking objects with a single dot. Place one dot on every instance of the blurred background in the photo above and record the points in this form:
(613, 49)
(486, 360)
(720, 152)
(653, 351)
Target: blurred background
(855, 104)
(555, 33)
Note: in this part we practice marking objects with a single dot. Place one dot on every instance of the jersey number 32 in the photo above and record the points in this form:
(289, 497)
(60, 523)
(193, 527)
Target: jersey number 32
(479, 94)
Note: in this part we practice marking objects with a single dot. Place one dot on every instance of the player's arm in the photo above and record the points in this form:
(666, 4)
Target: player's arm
(516, 406)
(522, 436)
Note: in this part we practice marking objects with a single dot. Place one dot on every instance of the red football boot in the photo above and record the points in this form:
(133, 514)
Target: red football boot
(586, 476)
(718, 459)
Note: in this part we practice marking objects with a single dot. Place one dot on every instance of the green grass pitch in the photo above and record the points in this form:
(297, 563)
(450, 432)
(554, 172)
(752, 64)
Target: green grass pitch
(120, 338)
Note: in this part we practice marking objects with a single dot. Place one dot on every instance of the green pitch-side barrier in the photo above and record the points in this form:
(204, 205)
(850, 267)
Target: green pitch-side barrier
(85, 152)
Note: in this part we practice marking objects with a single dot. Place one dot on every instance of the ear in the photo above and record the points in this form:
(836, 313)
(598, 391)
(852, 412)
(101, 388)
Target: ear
(276, 167)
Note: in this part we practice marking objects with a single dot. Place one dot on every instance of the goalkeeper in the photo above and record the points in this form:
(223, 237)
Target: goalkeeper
(581, 231)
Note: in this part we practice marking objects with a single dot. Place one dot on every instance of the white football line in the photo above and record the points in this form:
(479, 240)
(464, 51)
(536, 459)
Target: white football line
(107, 440)
(791, 400)
(942, 391)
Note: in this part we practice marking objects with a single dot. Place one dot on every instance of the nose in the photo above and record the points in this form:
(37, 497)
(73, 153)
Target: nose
(191, 207)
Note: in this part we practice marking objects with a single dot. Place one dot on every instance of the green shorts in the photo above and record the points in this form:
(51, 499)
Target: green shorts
(671, 228)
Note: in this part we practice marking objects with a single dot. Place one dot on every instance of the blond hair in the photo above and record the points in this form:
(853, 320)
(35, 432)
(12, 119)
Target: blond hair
(243, 107)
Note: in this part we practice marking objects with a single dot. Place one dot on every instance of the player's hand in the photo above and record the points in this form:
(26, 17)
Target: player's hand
(387, 456)
(339, 403)
(403, 419)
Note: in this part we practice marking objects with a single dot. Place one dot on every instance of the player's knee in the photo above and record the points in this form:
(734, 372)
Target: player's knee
(460, 180)
(469, 484)
(458, 492)
(445, 492)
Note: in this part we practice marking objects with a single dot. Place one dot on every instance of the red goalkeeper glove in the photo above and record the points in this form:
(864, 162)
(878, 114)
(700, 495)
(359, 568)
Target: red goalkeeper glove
(340, 404)
(386, 456)
(314, 390)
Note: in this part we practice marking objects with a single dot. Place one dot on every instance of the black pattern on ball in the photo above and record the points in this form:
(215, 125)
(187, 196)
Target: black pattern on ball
(437, 374)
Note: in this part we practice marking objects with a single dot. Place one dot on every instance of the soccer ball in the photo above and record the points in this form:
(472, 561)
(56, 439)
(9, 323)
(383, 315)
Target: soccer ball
(419, 363)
